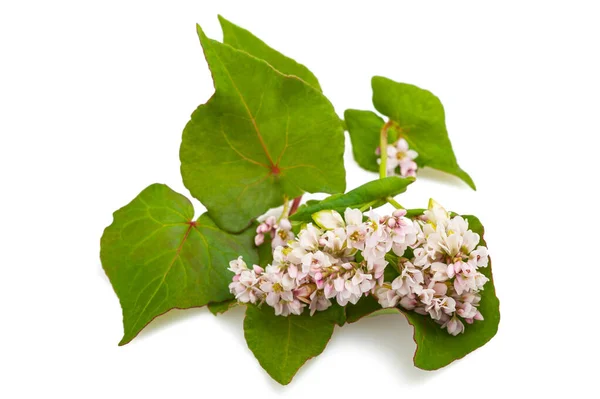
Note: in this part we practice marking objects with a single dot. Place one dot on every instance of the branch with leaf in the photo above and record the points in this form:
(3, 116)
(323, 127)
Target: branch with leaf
(267, 136)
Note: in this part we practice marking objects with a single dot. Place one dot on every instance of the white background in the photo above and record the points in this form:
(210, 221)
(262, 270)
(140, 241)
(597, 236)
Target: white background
(93, 99)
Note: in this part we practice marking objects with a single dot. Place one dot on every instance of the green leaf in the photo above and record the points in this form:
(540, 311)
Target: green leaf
(364, 128)
(265, 252)
(420, 119)
(435, 347)
(158, 258)
(261, 136)
(239, 38)
(365, 306)
(283, 344)
(218, 308)
(374, 192)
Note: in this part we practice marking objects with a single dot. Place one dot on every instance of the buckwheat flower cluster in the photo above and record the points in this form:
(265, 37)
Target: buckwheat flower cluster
(442, 280)
(400, 156)
(320, 265)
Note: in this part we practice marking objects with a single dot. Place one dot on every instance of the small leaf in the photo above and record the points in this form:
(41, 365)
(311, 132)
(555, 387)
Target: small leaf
(435, 347)
(261, 136)
(283, 344)
(241, 39)
(374, 192)
(157, 258)
(218, 308)
(419, 118)
(364, 128)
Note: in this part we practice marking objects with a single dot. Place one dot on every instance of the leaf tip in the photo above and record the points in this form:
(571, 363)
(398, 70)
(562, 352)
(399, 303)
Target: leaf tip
(200, 32)
(467, 179)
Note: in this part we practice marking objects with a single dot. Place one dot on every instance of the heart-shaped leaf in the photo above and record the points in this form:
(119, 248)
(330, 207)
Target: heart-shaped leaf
(239, 38)
(435, 347)
(262, 135)
(158, 258)
(373, 193)
(283, 344)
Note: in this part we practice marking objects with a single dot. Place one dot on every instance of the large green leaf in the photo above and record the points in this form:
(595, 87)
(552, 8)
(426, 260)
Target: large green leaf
(261, 136)
(419, 118)
(158, 258)
(374, 193)
(241, 39)
(435, 347)
(283, 344)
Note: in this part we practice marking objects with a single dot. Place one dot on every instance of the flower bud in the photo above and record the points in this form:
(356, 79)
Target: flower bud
(398, 213)
(257, 269)
(285, 224)
(259, 239)
(328, 219)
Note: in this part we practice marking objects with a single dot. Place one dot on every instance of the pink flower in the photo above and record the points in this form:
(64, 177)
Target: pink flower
(454, 326)
(318, 302)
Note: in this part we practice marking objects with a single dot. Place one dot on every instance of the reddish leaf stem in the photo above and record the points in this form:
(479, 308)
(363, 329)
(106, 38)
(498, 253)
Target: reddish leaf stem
(295, 205)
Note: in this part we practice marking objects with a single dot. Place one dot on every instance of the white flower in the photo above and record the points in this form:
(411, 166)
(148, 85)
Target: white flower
(386, 296)
(454, 326)
(377, 241)
(353, 217)
(377, 268)
(436, 214)
(441, 271)
(334, 242)
(441, 304)
(466, 310)
(308, 238)
(244, 287)
(408, 168)
(282, 233)
(399, 155)
(408, 280)
(314, 262)
(318, 302)
(356, 236)
(238, 265)
(278, 288)
(464, 283)
(328, 219)
(402, 231)
(479, 256)
(363, 281)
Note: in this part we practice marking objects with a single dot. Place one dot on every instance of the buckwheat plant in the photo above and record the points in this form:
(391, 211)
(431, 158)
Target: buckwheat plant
(298, 268)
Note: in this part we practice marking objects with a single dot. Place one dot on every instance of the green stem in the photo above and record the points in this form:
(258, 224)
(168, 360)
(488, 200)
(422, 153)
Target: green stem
(394, 203)
(383, 142)
(286, 208)
(367, 205)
